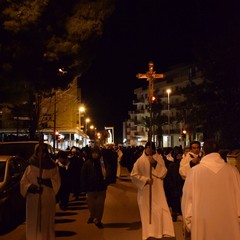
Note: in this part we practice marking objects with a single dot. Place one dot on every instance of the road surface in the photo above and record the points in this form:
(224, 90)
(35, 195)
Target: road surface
(121, 218)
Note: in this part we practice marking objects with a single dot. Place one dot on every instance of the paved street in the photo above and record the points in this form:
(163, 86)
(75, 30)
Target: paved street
(121, 218)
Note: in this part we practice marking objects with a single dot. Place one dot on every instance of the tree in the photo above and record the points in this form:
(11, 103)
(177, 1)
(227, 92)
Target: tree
(157, 120)
(217, 51)
(40, 37)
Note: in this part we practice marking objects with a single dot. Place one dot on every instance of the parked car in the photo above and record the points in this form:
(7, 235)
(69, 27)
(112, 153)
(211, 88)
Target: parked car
(14, 158)
(23, 149)
(11, 201)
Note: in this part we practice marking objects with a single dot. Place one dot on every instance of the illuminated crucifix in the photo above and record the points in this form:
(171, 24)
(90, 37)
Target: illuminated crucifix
(150, 75)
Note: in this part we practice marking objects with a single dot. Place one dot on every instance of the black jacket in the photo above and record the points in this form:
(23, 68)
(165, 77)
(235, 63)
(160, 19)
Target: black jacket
(91, 176)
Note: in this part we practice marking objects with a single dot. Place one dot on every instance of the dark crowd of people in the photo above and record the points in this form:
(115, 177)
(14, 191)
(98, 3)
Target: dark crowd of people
(88, 171)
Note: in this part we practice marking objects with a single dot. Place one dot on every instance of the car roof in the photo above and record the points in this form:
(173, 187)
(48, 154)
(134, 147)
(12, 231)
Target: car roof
(4, 158)
(22, 148)
(19, 142)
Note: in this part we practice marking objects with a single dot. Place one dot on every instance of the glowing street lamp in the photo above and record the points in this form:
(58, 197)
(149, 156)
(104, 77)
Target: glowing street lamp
(81, 110)
(168, 93)
(87, 120)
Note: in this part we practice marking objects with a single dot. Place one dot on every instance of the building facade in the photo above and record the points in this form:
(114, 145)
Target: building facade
(59, 119)
(135, 132)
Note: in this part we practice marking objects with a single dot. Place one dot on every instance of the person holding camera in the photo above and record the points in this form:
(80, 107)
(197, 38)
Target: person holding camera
(191, 159)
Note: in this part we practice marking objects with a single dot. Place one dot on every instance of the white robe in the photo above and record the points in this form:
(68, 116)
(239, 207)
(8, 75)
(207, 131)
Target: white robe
(161, 220)
(185, 164)
(211, 200)
(48, 203)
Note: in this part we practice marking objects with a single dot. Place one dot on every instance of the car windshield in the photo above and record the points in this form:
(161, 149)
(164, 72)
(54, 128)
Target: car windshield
(24, 150)
(2, 170)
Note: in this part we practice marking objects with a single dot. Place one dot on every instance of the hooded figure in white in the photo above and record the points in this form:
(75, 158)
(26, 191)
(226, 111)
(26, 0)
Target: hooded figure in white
(211, 198)
(39, 185)
(160, 224)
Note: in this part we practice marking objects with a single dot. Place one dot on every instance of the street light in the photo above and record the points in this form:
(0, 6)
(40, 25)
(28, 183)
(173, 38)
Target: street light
(184, 132)
(81, 110)
(87, 120)
(168, 93)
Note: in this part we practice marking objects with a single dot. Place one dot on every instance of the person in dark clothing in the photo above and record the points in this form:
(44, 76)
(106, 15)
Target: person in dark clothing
(76, 163)
(166, 153)
(94, 183)
(111, 159)
(175, 183)
(65, 172)
(135, 153)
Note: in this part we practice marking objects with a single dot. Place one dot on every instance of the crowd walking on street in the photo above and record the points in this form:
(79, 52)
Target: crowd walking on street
(191, 185)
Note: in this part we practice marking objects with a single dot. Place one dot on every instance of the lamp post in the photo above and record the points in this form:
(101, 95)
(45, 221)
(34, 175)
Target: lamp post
(184, 132)
(168, 93)
(81, 110)
(87, 120)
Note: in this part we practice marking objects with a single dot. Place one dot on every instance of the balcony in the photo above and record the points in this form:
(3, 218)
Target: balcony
(172, 131)
(140, 134)
(140, 111)
(136, 102)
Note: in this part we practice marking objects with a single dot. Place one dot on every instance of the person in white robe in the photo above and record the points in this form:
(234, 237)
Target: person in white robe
(191, 159)
(160, 225)
(40, 184)
(211, 198)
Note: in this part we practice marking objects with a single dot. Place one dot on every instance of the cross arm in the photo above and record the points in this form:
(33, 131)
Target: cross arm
(140, 75)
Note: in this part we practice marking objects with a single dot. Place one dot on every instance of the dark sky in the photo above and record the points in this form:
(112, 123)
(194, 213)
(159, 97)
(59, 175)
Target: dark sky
(140, 31)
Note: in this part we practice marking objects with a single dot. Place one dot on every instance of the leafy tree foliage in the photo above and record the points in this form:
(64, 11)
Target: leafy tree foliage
(39, 37)
(215, 105)
(157, 120)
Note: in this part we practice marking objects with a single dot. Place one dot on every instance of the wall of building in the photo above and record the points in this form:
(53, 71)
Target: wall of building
(63, 106)
(175, 79)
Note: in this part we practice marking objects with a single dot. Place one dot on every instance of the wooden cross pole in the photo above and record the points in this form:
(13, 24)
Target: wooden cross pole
(150, 75)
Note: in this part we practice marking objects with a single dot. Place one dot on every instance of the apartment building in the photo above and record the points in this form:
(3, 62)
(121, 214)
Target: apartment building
(136, 133)
(59, 114)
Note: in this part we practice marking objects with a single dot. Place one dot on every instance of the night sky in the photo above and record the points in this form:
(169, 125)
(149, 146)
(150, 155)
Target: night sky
(140, 31)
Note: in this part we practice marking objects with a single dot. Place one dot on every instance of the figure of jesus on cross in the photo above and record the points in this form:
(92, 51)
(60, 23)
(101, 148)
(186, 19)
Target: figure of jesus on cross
(150, 75)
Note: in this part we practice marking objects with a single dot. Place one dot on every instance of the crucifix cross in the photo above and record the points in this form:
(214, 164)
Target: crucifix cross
(150, 75)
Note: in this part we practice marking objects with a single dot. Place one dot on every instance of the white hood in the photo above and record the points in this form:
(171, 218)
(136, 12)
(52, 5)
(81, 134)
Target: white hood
(213, 161)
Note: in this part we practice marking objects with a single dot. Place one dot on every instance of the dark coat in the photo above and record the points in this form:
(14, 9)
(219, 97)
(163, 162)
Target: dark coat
(175, 182)
(91, 176)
